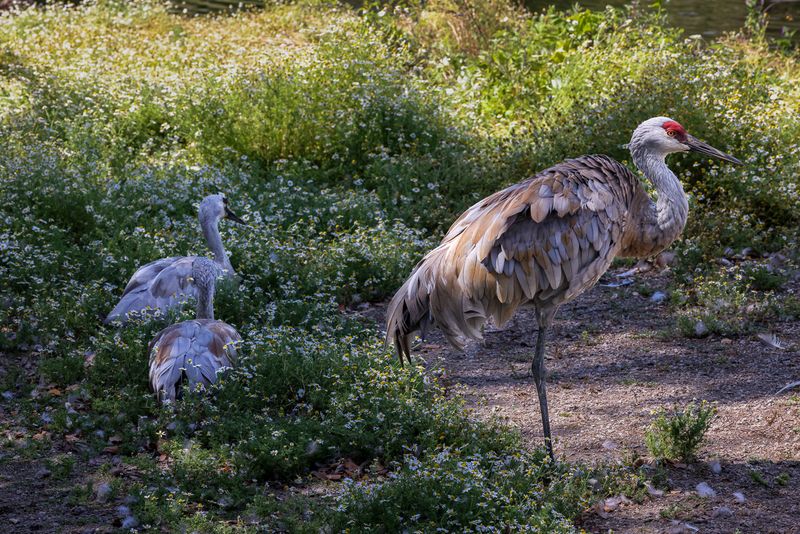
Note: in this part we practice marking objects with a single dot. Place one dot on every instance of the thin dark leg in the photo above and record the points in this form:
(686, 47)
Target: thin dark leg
(541, 388)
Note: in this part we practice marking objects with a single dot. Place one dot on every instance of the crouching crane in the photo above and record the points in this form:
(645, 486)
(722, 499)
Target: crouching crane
(193, 352)
(164, 283)
(543, 242)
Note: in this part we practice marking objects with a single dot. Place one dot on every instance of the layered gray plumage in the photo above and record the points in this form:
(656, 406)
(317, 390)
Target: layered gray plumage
(193, 352)
(163, 284)
(543, 242)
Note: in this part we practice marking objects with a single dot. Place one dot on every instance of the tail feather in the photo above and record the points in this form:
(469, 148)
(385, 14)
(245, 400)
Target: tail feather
(433, 294)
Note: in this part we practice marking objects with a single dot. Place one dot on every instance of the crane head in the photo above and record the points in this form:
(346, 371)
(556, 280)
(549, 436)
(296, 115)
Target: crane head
(663, 136)
(215, 207)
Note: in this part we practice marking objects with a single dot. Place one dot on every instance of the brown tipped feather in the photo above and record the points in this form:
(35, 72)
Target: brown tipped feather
(544, 241)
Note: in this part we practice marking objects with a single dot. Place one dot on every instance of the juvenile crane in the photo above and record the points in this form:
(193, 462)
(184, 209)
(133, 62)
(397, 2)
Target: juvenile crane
(192, 352)
(543, 242)
(164, 283)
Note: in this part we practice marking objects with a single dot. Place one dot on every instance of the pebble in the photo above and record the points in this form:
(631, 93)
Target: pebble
(704, 490)
(610, 445)
(682, 528)
(654, 492)
(43, 473)
(739, 496)
(8, 395)
(130, 522)
(700, 329)
(715, 467)
(722, 511)
(123, 511)
(658, 297)
(103, 492)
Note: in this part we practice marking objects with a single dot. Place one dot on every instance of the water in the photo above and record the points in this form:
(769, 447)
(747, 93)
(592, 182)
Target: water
(709, 18)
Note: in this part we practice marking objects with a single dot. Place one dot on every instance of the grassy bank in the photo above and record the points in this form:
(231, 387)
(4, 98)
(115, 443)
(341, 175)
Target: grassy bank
(349, 141)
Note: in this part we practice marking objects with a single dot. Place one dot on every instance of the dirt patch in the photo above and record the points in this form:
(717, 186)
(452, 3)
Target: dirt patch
(46, 482)
(612, 358)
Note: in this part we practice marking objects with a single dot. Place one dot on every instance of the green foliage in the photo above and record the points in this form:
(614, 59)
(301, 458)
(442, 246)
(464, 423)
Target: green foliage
(677, 434)
(350, 140)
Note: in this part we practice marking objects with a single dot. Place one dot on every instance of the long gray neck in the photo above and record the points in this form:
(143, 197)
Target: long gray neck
(205, 302)
(211, 232)
(671, 207)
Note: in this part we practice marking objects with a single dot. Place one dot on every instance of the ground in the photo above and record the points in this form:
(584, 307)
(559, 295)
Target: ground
(614, 356)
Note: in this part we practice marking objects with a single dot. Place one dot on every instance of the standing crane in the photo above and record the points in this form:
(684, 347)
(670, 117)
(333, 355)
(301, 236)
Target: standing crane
(164, 283)
(193, 352)
(543, 242)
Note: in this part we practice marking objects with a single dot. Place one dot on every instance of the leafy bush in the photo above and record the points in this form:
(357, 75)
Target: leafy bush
(349, 140)
(678, 434)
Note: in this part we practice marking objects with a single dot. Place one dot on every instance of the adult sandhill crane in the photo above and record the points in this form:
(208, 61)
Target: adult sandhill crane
(193, 351)
(545, 241)
(163, 284)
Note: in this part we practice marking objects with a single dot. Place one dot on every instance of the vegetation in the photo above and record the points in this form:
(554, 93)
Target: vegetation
(678, 434)
(350, 140)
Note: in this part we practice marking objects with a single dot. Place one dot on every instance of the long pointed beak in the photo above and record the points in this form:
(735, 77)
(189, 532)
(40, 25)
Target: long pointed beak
(695, 145)
(235, 218)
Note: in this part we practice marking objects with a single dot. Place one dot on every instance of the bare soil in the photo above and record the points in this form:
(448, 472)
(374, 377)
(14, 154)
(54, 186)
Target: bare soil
(613, 357)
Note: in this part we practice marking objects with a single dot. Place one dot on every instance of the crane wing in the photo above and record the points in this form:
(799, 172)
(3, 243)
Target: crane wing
(167, 286)
(544, 240)
(193, 351)
(147, 273)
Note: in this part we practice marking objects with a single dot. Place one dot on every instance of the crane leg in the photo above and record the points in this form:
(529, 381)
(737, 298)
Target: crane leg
(538, 371)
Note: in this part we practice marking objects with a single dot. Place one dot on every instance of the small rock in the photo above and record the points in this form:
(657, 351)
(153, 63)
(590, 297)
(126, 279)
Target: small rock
(130, 522)
(612, 503)
(726, 341)
(700, 329)
(715, 467)
(739, 496)
(666, 258)
(704, 490)
(653, 491)
(728, 251)
(594, 484)
(746, 252)
(658, 297)
(43, 473)
(722, 511)
(103, 492)
(123, 511)
(682, 528)
(609, 445)
(8, 395)
(724, 262)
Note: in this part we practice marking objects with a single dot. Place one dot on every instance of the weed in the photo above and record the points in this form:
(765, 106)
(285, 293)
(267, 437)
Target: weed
(677, 434)
(758, 478)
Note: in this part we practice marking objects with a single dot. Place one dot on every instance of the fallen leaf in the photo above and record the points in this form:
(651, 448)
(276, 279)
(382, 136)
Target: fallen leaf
(55, 392)
(39, 436)
(72, 438)
(111, 450)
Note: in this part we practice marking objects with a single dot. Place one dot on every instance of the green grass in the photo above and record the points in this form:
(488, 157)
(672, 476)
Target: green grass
(350, 140)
